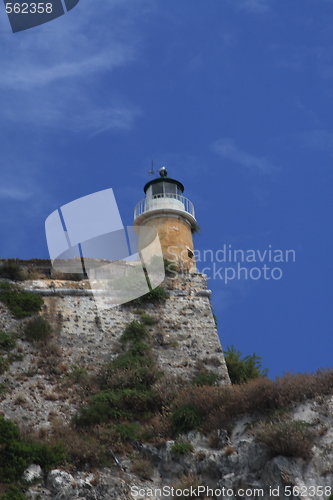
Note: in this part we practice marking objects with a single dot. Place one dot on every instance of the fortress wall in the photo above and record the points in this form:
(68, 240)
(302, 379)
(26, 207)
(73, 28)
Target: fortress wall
(185, 331)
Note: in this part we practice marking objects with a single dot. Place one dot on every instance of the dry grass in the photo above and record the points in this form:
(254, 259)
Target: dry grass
(201, 455)
(228, 450)
(51, 396)
(158, 430)
(219, 405)
(287, 438)
(142, 468)
(188, 482)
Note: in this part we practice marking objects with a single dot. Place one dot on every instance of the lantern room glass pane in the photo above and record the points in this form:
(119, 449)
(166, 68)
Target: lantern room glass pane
(169, 188)
(157, 188)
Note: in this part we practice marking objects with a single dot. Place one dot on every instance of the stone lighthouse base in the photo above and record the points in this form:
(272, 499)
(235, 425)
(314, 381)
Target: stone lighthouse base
(184, 337)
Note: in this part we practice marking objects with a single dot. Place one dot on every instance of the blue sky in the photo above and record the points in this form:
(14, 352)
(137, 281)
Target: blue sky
(234, 97)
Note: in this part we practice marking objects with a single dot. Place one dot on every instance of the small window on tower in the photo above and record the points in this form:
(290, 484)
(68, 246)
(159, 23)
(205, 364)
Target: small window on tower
(190, 253)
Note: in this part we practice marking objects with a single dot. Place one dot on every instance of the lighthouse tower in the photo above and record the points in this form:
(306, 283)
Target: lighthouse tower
(172, 215)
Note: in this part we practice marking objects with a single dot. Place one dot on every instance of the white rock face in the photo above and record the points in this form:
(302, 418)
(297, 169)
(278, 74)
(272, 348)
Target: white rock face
(32, 473)
(58, 479)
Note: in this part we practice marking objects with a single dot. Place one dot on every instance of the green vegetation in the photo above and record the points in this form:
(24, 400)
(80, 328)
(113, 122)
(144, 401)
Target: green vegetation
(77, 374)
(195, 229)
(4, 285)
(158, 294)
(147, 320)
(243, 370)
(128, 431)
(134, 332)
(125, 385)
(3, 388)
(170, 268)
(37, 329)
(117, 405)
(3, 365)
(185, 418)
(21, 304)
(12, 271)
(13, 493)
(7, 341)
(205, 377)
(17, 454)
(181, 448)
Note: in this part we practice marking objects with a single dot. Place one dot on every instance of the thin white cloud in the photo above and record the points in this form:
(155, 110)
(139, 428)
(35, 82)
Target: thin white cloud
(253, 5)
(71, 108)
(317, 139)
(14, 193)
(53, 76)
(226, 148)
(32, 76)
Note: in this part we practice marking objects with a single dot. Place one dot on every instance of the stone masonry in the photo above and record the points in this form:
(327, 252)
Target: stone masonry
(184, 333)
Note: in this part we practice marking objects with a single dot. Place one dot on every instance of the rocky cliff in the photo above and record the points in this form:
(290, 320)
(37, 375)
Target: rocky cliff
(174, 435)
(236, 467)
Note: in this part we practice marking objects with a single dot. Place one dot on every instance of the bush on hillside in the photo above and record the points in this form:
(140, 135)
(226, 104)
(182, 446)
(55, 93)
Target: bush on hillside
(21, 304)
(158, 294)
(17, 454)
(13, 493)
(287, 438)
(125, 383)
(37, 329)
(205, 377)
(181, 448)
(7, 341)
(218, 406)
(12, 271)
(134, 332)
(243, 370)
(185, 418)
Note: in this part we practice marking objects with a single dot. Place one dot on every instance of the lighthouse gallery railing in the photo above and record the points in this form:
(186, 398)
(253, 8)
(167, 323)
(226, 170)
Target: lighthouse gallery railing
(153, 203)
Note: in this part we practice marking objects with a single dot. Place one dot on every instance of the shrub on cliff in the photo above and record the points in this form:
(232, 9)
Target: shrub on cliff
(205, 377)
(13, 493)
(243, 370)
(7, 341)
(21, 304)
(126, 383)
(158, 294)
(185, 418)
(17, 454)
(287, 438)
(181, 448)
(134, 332)
(38, 329)
(12, 271)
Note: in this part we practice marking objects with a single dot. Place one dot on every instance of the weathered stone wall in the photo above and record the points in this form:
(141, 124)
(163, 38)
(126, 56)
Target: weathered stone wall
(83, 336)
(184, 332)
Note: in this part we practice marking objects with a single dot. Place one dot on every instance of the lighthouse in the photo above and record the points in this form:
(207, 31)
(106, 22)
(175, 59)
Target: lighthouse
(166, 210)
